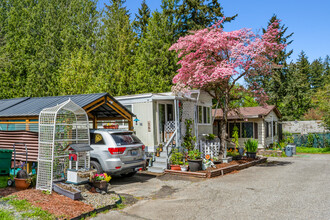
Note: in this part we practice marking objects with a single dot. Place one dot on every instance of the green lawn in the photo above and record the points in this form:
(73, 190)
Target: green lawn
(3, 181)
(25, 209)
(311, 150)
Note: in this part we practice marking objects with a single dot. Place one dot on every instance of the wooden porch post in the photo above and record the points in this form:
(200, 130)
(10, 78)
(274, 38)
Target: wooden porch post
(130, 124)
(95, 122)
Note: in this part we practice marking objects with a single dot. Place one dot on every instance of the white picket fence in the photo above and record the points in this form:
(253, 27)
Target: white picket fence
(211, 148)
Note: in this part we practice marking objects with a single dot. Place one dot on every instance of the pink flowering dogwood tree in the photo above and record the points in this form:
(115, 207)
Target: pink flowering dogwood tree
(214, 60)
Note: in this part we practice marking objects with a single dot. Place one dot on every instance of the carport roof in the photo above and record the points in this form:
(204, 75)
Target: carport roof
(98, 104)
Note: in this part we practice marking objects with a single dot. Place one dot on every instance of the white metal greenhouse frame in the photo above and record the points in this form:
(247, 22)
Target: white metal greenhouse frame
(59, 126)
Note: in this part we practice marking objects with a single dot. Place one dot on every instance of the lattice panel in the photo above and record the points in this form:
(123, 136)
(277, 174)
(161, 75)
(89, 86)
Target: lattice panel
(211, 148)
(188, 112)
(60, 126)
(170, 126)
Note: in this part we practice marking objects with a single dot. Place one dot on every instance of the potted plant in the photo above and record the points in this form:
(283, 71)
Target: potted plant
(210, 137)
(234, 153)
(161, 148)
(111, 126)
(216, 160)
(157, 152)
(22, 180)
(251, 146)
(194, 160)
(100, 180)
(176, 160)
(241, 151)
(184, 166)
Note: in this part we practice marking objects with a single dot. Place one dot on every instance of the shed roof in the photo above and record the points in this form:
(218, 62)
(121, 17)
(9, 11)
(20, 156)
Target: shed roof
(32, 106)
(248, 112)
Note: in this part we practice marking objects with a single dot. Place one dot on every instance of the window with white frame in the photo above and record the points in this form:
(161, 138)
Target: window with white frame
(204, 114)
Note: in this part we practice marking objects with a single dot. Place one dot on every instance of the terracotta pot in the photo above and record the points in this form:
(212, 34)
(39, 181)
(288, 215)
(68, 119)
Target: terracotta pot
(100, 184)
(175, 167)
(22, 184)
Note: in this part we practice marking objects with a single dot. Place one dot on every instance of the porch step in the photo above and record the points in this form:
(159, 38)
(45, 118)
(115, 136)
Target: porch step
(156, 169)
(163, 154)
(160, 164)
(161, 159)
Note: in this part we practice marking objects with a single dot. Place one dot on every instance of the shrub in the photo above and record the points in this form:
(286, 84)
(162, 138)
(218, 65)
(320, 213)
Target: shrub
(194, 154)
(251, 145)
(176, 157)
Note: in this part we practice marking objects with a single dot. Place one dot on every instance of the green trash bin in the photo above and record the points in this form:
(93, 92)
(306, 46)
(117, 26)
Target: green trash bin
(5, 161)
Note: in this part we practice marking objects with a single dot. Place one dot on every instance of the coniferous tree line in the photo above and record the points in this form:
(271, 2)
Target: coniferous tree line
(52, 47)
(294, 85)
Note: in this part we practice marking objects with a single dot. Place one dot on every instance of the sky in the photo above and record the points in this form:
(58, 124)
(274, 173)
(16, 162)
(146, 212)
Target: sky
(308, 20)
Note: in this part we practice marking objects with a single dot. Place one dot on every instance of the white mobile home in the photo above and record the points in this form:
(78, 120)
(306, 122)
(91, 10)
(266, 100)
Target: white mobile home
(160, 117)
(158, 114)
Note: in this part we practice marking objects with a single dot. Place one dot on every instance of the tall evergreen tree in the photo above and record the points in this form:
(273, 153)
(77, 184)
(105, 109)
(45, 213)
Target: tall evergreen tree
(317, 74)
(141, 20)
(38, 36)
(298, 91)
(198, 14)
(116, 48)
(155, 64)
(276, 83)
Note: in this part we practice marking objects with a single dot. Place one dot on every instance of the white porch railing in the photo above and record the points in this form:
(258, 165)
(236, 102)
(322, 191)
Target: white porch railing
(170, 143)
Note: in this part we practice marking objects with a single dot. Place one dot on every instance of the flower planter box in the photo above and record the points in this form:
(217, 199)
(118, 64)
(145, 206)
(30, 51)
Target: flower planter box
(186, 173)
(221, 171)
(100, 184)
(75, 177)
(111, 126)
(74, 194)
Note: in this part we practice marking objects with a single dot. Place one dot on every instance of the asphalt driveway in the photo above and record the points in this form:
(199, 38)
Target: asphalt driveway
(283, 188)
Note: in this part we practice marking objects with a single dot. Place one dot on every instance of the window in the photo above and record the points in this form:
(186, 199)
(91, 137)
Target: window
(125, 139)
(231, 129)
(267, 129)
(274, 128)
(204, 115)
(200, 114)
(129, 107)
(247, 130)
(170, 112)
(97, 139)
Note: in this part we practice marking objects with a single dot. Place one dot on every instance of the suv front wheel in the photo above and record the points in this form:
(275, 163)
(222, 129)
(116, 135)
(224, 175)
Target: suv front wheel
(96, 166)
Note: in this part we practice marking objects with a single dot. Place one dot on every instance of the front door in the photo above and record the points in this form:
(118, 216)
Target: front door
(165, 117)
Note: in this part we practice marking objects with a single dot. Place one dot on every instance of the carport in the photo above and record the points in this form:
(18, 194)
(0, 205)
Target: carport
(19, 117)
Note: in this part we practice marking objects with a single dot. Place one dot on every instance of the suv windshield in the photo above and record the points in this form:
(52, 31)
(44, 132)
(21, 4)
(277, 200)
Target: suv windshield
(125, 139)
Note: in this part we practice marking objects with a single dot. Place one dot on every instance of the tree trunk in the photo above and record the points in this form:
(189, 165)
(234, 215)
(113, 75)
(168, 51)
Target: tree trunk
(223, 130)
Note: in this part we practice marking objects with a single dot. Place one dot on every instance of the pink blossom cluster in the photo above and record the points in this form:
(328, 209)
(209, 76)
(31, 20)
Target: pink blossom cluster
(211, 56)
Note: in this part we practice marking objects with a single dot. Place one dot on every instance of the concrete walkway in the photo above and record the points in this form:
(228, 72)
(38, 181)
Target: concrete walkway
(283, 188)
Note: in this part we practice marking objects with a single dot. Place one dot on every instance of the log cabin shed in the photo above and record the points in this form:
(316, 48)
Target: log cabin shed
(19, 118)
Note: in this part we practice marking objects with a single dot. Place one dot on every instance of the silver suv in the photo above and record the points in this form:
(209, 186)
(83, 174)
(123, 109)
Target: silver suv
(116, 152)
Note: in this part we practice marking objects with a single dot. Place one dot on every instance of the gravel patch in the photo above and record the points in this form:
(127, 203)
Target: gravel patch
(96, 199)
